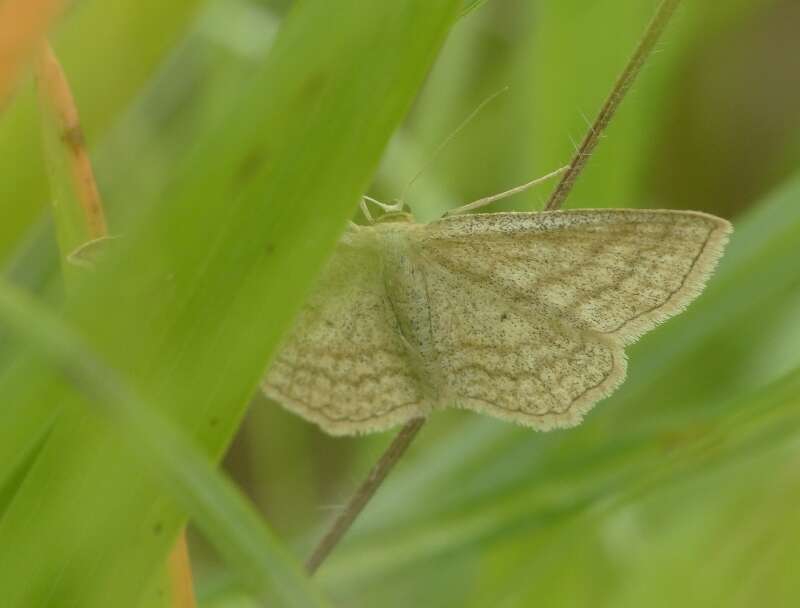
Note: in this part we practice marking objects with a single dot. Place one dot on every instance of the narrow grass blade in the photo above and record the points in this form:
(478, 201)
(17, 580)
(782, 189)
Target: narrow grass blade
(109, 49)
(23, 23)
(185, 472)
(206, 279)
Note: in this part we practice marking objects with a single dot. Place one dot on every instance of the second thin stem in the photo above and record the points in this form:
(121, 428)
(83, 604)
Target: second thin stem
(365, 492)
(406, 435)
(621, 87)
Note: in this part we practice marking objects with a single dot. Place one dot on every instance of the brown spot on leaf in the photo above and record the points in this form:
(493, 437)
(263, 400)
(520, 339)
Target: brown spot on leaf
(311, 89)
(73, 137)
(249, 165)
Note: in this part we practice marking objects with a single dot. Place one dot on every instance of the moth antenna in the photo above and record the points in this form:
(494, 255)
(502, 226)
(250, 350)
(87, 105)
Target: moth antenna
(450, 138)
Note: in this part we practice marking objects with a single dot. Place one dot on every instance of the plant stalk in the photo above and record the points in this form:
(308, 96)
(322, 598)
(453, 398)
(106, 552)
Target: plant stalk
(80, 217)
(364, 493)
(407, 434)
(621, 87)
(180, 574)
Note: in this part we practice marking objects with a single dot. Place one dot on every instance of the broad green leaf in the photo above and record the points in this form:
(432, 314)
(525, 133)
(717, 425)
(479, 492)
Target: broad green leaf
(206, 279)
(215, 505)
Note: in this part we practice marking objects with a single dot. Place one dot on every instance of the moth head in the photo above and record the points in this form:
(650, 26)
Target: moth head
(397, 211)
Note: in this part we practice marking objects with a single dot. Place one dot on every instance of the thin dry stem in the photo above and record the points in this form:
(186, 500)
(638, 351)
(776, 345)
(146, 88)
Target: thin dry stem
(180, 574)
(623, 84)
(364, 493)
(406, 435)
(56, 93)
(57, 97)
(22, 25)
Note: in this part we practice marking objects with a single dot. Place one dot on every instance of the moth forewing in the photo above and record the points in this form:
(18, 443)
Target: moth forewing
(522, 316)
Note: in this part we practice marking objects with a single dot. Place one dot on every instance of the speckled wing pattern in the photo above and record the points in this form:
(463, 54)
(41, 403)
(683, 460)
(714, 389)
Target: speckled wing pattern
(554, 298)
(523, 316)
(344, 366)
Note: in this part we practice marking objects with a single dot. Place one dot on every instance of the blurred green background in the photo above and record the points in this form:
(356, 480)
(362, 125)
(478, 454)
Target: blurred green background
(680, 489)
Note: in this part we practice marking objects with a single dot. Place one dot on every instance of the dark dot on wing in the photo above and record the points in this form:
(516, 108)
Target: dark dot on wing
(504, 316)
(158, 528)
(213, 421)
(328, 322)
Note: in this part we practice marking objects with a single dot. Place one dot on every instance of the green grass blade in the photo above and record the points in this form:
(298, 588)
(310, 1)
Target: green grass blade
(214, 504)
(108, 50)
(205, 281)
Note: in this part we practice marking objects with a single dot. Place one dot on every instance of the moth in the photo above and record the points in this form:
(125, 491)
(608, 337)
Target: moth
(521, 316)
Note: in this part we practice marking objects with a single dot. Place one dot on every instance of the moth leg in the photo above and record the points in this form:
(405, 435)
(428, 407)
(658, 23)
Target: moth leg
(482, 202)
(365, 210)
